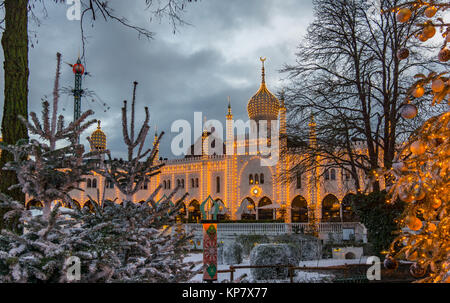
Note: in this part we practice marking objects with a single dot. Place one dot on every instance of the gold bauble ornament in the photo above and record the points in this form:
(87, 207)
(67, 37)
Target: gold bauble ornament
(418, 92)
(418, 147)
(408, 111)
(405, 196)
(437, 85)
(444, 55)
(403, 15)
(403, 53)
(431, 227)
(429, 31)
(413, 223)
(430, 11)
(419, 194)
(436, 203)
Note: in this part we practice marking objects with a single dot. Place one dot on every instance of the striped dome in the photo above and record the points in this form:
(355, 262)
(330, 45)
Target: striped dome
(98, 139)
(263, 105)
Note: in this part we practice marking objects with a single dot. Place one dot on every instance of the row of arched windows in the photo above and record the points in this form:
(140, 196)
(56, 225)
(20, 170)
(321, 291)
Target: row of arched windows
(256, 179)
(330, 174)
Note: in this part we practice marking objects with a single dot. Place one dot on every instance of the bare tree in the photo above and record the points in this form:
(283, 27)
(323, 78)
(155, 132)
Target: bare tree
(349, 76)
(15, 41)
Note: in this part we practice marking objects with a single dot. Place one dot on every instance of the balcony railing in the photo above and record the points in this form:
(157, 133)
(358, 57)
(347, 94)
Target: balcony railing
(230, 229)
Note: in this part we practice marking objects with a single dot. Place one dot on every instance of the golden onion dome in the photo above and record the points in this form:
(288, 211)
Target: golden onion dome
(98, 139)
(263, 105)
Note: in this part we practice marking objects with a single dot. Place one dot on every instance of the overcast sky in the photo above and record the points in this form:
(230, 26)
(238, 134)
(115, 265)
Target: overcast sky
(195, 69)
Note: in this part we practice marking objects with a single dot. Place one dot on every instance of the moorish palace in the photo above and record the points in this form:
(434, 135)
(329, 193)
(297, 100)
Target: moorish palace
(244, 189)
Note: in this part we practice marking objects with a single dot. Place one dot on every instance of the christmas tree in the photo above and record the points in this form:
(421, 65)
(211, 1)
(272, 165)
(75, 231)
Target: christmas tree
(420, 175)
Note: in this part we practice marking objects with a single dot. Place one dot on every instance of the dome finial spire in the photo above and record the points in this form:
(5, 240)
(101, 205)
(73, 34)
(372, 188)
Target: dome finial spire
(263, 74)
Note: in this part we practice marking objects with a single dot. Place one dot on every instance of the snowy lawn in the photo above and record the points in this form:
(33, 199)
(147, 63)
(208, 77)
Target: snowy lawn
(301, 277)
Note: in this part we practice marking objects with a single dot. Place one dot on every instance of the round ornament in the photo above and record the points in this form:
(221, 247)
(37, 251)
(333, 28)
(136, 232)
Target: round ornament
(436, 203)
(437, 85)
(408, 111)
(403, 53)
(444, 55)
(418, 148)
(403, 15)
(429, 31)
(390, 263)
(430, 11)
(418, 92)
(413, 223)
(417, 271)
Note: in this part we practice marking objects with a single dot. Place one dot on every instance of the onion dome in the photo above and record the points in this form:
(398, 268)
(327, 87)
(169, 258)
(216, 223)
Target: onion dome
(98, 139)
(263, 105)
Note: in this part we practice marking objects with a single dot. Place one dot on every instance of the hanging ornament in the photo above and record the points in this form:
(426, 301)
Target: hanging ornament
(403, 53)
(418, 147)
(419, 91)
(403, 15)
(413, 223)
(405, 196)
(430, 11)
(390, 263)
(408, 111)
(417, 271)
(437, 85)
(429, 31)
(444, 55)
(436, 203)
(431, 227)
(418, 193)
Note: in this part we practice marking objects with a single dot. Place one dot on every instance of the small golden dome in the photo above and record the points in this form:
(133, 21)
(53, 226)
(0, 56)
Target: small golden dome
(98, 139)
(263, 105)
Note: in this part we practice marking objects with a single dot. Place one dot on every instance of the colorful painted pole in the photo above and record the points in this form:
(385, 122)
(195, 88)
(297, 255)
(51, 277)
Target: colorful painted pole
(209, 252)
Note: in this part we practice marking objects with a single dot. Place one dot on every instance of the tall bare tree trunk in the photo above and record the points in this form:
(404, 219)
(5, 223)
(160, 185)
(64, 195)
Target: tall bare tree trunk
(15, 50)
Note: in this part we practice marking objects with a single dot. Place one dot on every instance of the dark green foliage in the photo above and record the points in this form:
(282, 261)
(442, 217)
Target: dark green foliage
(379, 218)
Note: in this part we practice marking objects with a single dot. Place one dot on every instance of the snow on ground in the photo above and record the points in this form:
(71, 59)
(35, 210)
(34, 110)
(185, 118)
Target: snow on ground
(300, 277)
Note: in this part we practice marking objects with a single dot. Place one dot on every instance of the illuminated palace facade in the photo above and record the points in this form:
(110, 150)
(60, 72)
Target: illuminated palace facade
(244, 189)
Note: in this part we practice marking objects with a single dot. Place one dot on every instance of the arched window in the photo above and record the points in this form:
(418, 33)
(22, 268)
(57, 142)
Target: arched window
(299, 210)
(299, 180)
(250, 179)
(331, 209)
(327, 175)
(333, 174)
(88, 183)
(178, 182)
(267, 213)
(261, 178)
(218, 184)
(165, 184)
(145, 185)
(168, 184)
(196, 182)
(256, 179)
(192, 183)
(94, 183)
(182, 183)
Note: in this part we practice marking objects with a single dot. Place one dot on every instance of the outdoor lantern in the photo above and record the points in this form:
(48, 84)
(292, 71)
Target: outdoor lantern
(191, 209)
(250, 206)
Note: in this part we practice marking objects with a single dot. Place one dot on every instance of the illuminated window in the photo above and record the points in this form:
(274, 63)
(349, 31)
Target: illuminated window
(250, 179)
(256, 179)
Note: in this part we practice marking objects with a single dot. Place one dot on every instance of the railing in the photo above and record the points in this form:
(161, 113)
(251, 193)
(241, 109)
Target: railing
(225, 229)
